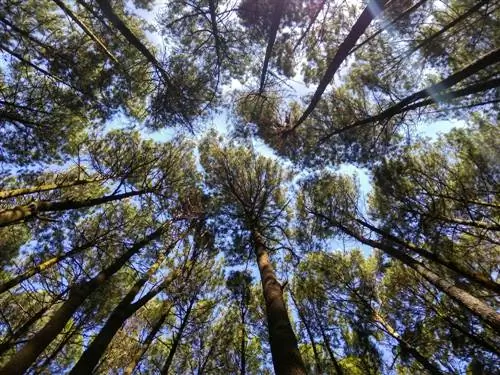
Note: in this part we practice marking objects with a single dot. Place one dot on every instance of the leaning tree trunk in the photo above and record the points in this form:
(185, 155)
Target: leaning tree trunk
(310, 334)
(29, 211)
(177, 338)
(23, 359)
(147, 342)
(471, 303)
(120, 314)
(431, 367)
(284, 349)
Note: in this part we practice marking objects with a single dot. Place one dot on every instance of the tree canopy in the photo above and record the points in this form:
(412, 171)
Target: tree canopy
(249, 187)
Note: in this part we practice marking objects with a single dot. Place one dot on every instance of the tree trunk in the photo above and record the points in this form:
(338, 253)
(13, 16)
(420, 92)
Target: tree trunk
(28, 211)
(45, 187)
(303, 319)
(84, 27)
(455, 267)
(373, 9)
(326, 342)
(120, 314)
(471, 303)
(177, 338)
(108, 12)
(23, 359)
(286, 356)
(436, 89)
(426, 363)
(147, 342)
(278, 10)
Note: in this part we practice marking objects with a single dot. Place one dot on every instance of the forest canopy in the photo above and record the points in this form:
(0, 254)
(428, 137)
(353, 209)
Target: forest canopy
(249, 187)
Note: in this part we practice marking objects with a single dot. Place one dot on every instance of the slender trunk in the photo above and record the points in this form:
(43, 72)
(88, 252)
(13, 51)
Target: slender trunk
(177, 338)
(304, 321)
(373, 9)
(309, 26)
(243, 364)
(22, 213)
(326, 342)
(120, 314)
(452, 24)
(147, 342)
(278, 10)
(426, 363)
(108, 13)
(23, 359)
(437, 89)
(400, 16)
(43, 266)
(471, 303)
(9, 342)
(284, 349)
(44, 187)
(84, 27)
(462, 271)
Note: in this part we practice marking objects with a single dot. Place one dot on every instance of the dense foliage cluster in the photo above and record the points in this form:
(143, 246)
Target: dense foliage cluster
(128, 249)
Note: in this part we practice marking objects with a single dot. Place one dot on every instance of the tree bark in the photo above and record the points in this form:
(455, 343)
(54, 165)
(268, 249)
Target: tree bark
(326, 342)
(84, 27)
(28, 211)
(374, 8)
(302, 317)
(44, 187)
(177, 338)
(108, 12)
(23, 359)
(436, 89)
(120, 314)
(471, 303)
(426, 363)
(147, 342)
(278, 10)
(284, 349)
(462, 271)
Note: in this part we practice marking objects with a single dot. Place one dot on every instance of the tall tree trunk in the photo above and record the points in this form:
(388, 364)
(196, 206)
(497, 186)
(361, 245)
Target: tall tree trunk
(373, 9)
(304, 321)
(279, 8)
(243, 364)
(437, 89)
(23, 359)
(177, 338)
(455, 267)
(326, 342)
(147, 342)
(284, 349)
(84, 27)
(471, 303)
(44, 187)
(426, 363)
(108, 13)
(43, 266)
(28, 211)
(120, 314)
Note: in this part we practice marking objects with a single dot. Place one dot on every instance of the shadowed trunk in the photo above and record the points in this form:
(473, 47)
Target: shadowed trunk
(326, 342)
(120, 314)
(373, 9)
(25, 357)
(471, 303)
(304, 321)
(147, 342)
(278, 10)
(426, 363)
(29, 211)
(177, 338)
(284, 349)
